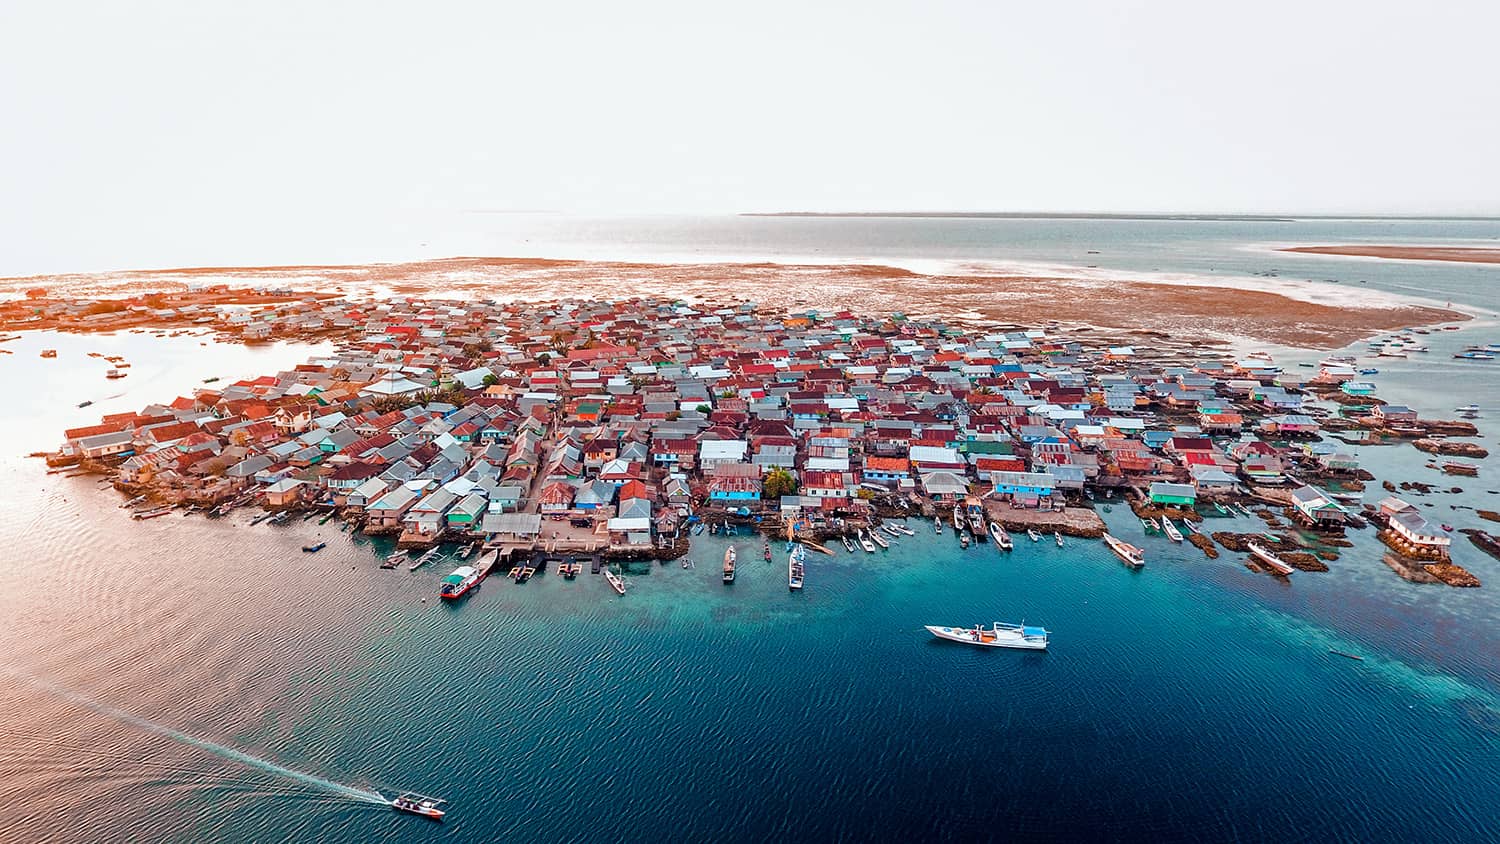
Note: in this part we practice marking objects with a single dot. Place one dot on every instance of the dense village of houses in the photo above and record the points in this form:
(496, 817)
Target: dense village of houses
(614, 425)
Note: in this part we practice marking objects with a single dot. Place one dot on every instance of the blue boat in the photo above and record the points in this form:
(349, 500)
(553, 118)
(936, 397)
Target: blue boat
(313, 549)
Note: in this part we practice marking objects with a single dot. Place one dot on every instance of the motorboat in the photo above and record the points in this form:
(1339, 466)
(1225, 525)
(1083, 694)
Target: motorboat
(1277, 565)
(999, 635)
(1129, 554)
(420, 805)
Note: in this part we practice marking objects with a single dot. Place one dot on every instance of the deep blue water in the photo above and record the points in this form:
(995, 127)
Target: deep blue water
(1193, 699)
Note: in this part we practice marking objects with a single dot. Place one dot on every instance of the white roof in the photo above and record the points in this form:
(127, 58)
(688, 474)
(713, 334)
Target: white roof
(723, 449)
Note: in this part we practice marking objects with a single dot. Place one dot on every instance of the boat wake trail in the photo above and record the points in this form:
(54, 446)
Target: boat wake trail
(124, 717)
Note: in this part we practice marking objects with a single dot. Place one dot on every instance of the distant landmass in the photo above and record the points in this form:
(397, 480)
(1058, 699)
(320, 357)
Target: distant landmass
(1049, 215)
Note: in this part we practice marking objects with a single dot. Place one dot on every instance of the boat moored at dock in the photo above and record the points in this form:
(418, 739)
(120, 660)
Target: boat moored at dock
(1171, 529)
(729, 561)
(458, 584)
(1276, 564)
(1129, 554)
(999, 635)
(616, 582)
(1002, 539)
(796, 568)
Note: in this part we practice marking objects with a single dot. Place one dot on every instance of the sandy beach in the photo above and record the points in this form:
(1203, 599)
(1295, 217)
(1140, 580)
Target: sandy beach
(1460, 254)
(1168, 309)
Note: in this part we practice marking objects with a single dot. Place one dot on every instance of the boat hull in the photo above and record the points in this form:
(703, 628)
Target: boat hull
(989, 638)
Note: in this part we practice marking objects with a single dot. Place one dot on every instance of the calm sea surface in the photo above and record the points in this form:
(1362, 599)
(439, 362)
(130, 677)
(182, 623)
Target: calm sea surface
(1193, 699)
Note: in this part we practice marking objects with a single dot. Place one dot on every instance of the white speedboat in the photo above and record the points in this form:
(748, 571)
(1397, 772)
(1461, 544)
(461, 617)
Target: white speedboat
(866, 544)
(418, 804)
(795, 568)
(1129, 554)
(848, 545)
(1171, 529)
(1058, 536)
(1277, 565)
(1000, 635)
(1034, 536)
(1002, 539)
(877, 539)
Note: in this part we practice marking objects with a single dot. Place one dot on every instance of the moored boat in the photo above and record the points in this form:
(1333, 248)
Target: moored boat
(1129, 554)
(616, 582)
(796, 568)
(423, 560)
(848, 543)
(963, 540)
(1033, 535)
(1057, 535)
(729, 560)
(1002, 539)
(313, 549)
(1275, 562)
(876, 538)
(937, 525)
(999, 635)
(1171, 529)
(458, 584)
(394, 560)
(866, 544)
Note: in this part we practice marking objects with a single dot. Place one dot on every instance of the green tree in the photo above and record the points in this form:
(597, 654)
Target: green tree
(491, 380)
(778, 482)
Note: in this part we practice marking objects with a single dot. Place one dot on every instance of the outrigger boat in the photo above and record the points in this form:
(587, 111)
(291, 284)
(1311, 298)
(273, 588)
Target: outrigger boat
(795, 568)
(999, 635)
(1002, 539)
(1129, 554)
(616, 582)
(393, 560)
(1278, 567)
(902, 529)
(424, 559)
(417, 804)
(1171, 529)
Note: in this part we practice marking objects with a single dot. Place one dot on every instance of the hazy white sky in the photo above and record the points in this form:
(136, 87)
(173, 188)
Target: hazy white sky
(147, 122)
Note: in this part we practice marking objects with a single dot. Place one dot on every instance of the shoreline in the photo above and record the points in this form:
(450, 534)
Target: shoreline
(1435, 254)
(980, 296)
